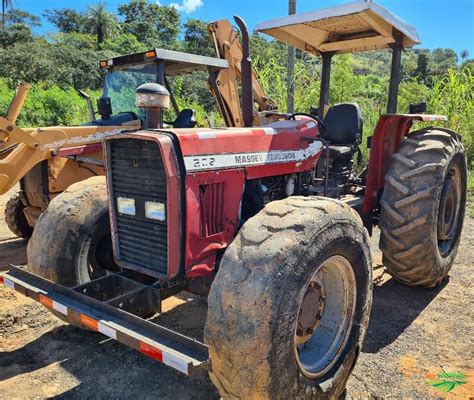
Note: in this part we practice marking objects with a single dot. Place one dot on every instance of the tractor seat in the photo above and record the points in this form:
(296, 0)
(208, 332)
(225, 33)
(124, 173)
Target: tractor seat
(343, 129)
(186, 119)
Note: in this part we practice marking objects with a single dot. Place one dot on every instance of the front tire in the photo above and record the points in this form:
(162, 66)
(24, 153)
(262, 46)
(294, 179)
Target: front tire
(15, 217)
(423, 207)
(266, 303)
(71, 242)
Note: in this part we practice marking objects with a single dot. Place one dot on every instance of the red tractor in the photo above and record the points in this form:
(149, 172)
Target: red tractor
(270, 222)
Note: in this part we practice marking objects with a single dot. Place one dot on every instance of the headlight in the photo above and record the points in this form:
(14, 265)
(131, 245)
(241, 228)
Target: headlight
(154, 210)
(126, 206)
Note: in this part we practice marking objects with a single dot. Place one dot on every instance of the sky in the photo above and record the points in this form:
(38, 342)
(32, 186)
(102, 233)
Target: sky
(440, 23)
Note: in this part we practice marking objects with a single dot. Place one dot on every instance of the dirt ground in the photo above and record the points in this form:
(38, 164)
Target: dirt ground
(413, 333)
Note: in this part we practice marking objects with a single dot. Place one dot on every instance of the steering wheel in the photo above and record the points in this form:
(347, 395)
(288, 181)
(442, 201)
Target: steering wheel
(321, 125)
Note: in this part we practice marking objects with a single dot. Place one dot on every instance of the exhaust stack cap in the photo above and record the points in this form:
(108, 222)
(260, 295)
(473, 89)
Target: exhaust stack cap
(152, 95)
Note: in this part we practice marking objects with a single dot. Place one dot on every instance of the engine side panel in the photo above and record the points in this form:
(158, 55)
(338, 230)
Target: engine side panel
(212, 202)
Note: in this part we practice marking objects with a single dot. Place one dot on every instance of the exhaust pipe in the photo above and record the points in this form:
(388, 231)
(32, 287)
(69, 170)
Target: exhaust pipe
(246, 74)
(87, 98)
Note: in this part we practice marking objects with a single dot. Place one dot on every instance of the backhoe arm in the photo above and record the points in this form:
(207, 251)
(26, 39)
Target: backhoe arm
(228, 47)
(21, 149)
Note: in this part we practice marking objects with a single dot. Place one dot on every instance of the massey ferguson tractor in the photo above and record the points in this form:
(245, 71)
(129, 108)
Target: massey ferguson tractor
(270, 222)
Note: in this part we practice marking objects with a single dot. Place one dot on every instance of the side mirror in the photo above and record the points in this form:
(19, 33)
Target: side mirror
(104, 106)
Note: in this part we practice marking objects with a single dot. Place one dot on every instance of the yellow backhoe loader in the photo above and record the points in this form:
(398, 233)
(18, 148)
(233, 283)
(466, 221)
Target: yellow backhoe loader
(46, 161)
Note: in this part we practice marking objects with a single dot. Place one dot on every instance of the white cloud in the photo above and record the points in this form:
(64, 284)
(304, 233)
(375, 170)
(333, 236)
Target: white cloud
(188, 6)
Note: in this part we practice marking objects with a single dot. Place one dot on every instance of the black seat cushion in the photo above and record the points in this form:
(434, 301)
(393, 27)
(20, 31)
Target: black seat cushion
(186, 119)
(343, 124)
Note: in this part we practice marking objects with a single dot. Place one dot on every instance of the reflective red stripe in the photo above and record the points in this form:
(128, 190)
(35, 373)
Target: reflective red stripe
(89, 322)
(46, 301)
(1, 279)
(151, 351)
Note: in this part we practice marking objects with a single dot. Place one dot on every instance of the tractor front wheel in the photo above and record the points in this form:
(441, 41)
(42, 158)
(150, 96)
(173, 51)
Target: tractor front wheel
(423, 207)
(290, 304)
(71, 242)
(15, 218)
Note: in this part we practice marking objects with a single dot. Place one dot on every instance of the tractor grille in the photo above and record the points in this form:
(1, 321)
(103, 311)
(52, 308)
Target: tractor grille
(138, 173)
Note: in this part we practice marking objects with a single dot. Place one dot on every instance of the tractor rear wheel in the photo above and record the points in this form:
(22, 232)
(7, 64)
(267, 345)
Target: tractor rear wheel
(290, 304)
(71, 242)
(15, 218)
(423, 207)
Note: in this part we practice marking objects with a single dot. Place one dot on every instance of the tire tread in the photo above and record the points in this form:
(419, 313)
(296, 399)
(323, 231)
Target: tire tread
(407, 215)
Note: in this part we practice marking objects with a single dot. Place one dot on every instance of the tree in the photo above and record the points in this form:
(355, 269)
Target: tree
(66, 20)
(409, 64)
(17, 62)
(125, 43)
(442, 60)
(196, 38)
(17, 27)
(6, 4)
(15, 16)
(264, 51)
(422, 67)
(101, 22)
(464, 55)
(468, 65)
(152, 24)
(77, 40)
(53, 63)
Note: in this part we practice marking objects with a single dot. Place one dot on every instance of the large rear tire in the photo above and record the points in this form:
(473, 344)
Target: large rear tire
(71, 242)
(15, 218)
(423, 207)
(290, 304)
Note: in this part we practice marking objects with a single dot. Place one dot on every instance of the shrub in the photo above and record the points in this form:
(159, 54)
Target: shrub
(453, 95)
(48, 105)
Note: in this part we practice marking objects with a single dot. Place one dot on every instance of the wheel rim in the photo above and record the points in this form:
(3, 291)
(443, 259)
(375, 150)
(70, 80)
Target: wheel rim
(325, 317)
(96, 259)
(449, 211)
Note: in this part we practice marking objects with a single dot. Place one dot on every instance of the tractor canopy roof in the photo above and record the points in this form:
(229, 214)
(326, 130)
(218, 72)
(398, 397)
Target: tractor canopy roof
(347, 28)
(175, 62)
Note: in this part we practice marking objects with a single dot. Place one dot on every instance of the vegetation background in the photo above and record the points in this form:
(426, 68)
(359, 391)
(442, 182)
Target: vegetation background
(58, 63)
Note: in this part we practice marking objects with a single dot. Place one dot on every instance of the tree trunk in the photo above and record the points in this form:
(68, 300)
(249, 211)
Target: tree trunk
(100, 34)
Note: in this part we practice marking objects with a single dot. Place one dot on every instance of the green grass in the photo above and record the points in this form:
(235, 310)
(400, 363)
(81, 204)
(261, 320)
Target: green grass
(470, 193)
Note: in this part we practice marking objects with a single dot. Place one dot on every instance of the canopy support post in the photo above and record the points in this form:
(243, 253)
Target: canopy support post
(290, 96)
(325, 82)
(395, 73)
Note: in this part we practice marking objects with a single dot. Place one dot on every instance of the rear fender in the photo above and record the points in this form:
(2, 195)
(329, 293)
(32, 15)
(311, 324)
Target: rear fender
(390, 130)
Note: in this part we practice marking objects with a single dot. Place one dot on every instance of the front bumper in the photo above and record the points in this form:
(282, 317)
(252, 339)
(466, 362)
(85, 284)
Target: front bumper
(180, 352)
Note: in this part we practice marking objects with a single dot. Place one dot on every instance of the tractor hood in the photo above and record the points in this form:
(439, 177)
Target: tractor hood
(225, 148)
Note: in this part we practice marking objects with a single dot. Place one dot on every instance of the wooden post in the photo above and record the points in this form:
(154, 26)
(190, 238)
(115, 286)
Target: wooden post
(290, 98)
